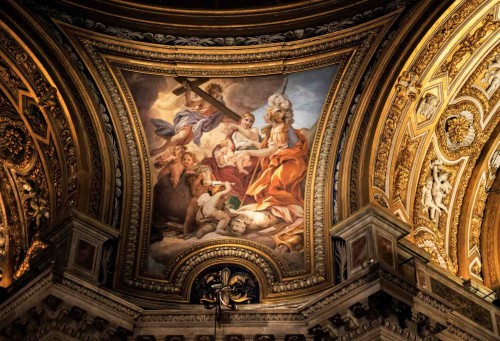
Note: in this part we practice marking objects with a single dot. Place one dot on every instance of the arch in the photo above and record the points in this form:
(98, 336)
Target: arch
(436, 121)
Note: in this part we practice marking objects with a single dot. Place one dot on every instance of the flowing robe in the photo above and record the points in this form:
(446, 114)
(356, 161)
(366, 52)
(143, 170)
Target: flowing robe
(277, 187)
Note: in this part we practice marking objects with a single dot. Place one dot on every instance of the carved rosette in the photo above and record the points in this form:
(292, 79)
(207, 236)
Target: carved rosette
(16, 146)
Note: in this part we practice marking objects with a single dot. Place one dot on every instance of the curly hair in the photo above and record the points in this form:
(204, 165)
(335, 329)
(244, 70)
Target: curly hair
(213, 87)
(280, 110)
(192, 155)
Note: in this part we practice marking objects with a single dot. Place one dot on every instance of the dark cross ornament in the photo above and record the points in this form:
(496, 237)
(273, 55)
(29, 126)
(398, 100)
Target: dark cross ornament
(194, 85)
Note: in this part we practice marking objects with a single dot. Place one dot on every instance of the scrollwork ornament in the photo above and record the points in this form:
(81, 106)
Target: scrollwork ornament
(471, 42)
(443, 33)
(477, 216)
(3, 236)
(434, 245)
(32, 251)
(9, 78)
(404, 164)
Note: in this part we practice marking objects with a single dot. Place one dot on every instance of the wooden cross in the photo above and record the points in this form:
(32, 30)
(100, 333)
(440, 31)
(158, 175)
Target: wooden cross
(194, 85)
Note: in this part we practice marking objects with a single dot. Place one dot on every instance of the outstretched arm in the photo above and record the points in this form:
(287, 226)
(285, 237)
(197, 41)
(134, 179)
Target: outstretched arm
(249, 133)
(261, 152)
(188, 96)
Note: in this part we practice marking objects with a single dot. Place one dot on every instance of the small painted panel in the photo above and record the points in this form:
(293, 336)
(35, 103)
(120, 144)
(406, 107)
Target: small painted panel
(359, 251)
(385, 250)
(85, 254)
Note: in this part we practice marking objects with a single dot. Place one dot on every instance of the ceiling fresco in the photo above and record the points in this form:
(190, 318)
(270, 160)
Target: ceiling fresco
(207, 184)
(220, 159)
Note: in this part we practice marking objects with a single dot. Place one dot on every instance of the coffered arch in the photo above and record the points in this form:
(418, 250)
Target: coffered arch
(439, 124)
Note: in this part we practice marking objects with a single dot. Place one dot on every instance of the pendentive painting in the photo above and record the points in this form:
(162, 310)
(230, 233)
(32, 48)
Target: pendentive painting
(229, 159)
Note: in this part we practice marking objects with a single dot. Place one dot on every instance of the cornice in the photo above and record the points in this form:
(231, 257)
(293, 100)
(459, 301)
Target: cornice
(162, 24)
(194, 32)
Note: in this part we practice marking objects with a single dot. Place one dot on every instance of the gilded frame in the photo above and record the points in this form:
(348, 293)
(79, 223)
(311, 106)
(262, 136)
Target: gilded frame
(105, 57)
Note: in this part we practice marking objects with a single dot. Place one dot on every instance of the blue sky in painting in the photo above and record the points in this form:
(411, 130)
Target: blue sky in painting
(307, 90)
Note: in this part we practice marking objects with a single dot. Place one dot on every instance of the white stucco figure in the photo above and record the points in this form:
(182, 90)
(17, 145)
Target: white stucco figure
(435, 190)
(492, 76)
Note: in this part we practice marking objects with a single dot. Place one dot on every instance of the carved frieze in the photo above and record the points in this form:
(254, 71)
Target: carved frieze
(463, 304)
(470, 44)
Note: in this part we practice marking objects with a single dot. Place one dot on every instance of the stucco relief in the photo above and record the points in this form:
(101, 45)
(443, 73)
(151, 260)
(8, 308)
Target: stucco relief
(437, 187)
(427, 107)
(454, 115)
(459, 130)
(492, 76)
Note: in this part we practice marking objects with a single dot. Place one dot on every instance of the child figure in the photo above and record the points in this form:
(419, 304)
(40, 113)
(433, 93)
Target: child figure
(225, 156)
(189, 161)
(213, 215)
(172, 164)
(237, 226)
(245, 136)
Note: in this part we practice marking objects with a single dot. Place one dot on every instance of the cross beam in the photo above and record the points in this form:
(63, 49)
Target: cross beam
(218, 105)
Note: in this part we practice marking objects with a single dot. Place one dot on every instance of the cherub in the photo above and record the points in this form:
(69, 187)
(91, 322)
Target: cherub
(213, 215)
(237, 226)
(244, 135)
(428, 201)
(199, 183)
(225, 156)
(171, 163)
(189, 161)
(440, 189)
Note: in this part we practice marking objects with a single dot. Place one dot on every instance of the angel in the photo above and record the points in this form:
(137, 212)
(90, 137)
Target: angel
(225, 156)
(189, 124)
(213, 215)
(171, 163)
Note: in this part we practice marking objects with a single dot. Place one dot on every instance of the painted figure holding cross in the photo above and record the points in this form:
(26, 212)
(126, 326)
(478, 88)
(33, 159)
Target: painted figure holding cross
(202, 114)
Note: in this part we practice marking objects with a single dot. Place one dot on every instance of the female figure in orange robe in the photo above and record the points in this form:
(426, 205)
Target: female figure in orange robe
(284, 156)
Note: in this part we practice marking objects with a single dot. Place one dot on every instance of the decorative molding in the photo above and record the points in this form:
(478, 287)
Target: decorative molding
(265, 39)
(100, 298)
(463, 305)
(25, 295)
